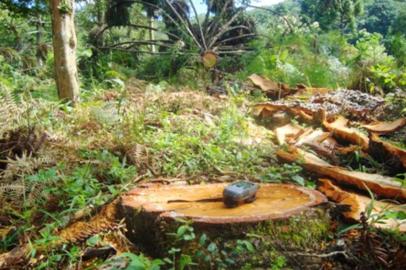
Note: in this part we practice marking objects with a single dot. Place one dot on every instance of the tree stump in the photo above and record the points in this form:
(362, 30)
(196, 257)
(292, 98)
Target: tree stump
(152, 213)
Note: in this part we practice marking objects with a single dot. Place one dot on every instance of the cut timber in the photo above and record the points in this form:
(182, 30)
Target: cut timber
(359, 204)
(387, 152)
(271, 88)
(341, 131)
(386, 127)
(379, 184)
(203, 203)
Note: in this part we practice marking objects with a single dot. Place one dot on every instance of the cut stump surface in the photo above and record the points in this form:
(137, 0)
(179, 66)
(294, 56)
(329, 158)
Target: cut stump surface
(203, 203)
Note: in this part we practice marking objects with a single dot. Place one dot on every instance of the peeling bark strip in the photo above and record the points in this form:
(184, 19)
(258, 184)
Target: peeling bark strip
(381, 185)
(64, 43)
(340, 129)
(359, 204)
(386, 127)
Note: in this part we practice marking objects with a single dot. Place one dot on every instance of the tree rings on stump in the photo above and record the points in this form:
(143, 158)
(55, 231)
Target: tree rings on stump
(147, 209)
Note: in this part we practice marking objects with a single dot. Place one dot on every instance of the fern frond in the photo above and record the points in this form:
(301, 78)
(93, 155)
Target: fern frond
(10, 112)
(12, 194)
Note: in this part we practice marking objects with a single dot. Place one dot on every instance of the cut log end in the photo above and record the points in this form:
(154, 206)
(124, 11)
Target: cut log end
(203, 203)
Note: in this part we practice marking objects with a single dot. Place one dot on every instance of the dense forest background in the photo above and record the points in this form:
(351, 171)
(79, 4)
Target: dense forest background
(98, 96)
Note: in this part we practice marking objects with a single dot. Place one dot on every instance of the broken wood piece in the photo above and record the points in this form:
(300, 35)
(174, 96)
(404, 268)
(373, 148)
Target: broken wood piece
(303, 114)
(386, 127)
(323, 144)
(263, 83)
(288, 133)
(203, 203)
(270, 88)
(384, 151)
(379, 184)
(268, 109)
(340, 130)
(316, 135)
(359, 204)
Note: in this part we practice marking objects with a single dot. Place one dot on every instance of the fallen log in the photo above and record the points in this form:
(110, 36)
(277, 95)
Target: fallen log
(381, 185)
(359, 204)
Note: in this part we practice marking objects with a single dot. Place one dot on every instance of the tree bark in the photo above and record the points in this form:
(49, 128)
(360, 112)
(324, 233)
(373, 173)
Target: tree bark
(64, 43)
(152, 33)
(41, 52)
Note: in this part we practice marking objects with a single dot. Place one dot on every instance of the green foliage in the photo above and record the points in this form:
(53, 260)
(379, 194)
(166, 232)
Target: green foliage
(65, 7)
(376, 70)
(371, 50)
(387, 77)
(205, 252)
(397, 47)
(140, 262)
(399, 25)
(193, 146)
(333, 14)
(261, 245)
(318, 60)
(385, 17)
(118, 13)
(398, 101)
(286, 172)
(164, 67)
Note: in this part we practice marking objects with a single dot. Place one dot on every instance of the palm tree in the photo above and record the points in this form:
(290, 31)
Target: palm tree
(223, 30)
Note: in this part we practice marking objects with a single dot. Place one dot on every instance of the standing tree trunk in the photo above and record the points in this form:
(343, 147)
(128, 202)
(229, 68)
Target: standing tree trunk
(41, 49)
(64, 43)
(152, 33)
(41, 55)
